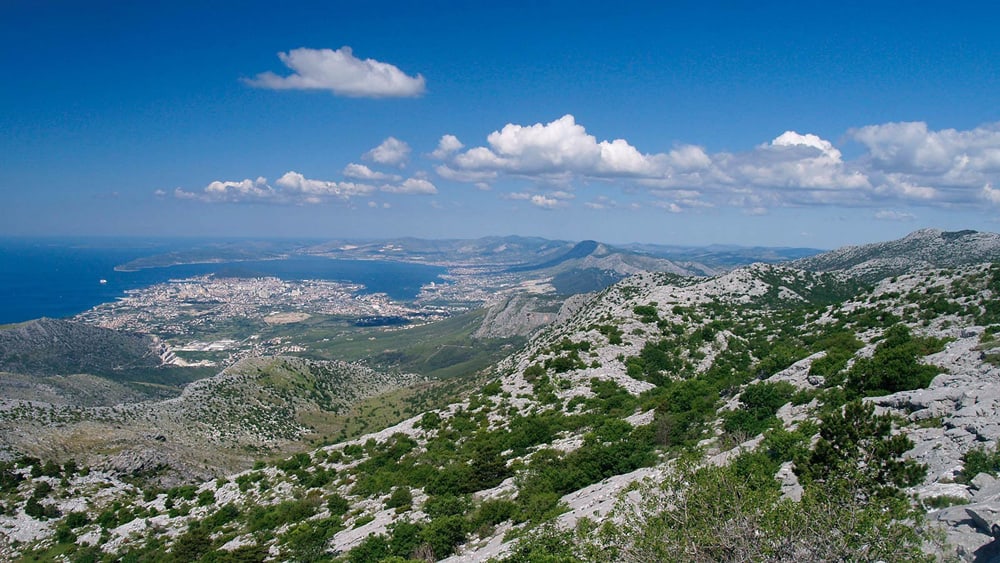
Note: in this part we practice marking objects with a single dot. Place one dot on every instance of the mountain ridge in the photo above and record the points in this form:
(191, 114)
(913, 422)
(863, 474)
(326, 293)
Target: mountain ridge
(649, 393)
(924, 248)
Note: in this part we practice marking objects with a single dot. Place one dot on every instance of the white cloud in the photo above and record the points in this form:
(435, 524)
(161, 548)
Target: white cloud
(233, 191)
(792, 169)
(392, 152)
(294, 188)
(291, 188)
(342, 73)
(538, 200)
(901, 186)
(412, 186)
(362, 172)
(294, 183)
(794, 161)
(954, 164)
(902, 164)
(689, 157)
(604, 202)
(991, 194)
(464, 176)
(669, 206)
(559, 147)
(545, 202)
(793, 139)
(890, 215)
(448, 145)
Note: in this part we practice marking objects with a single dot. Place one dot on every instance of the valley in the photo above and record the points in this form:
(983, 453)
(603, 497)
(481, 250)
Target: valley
(754, 414)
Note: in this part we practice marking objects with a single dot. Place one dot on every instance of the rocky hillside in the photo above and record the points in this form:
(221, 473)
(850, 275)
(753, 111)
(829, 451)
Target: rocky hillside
(259, 406)
(926, 248)
(57, 347)
(770, 413)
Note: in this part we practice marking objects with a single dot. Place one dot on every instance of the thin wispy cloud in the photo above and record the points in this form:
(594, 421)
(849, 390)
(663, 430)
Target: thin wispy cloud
(362, 172)
(411, 186)
(341, 73)
(891, 215)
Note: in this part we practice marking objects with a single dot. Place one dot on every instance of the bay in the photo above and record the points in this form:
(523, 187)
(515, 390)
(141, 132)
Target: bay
(61, 278)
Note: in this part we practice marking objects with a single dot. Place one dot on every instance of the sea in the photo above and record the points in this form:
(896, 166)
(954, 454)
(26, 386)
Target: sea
(61, 278)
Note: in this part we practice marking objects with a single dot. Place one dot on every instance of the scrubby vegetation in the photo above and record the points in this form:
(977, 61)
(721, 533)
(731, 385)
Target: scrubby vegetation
(654, 377)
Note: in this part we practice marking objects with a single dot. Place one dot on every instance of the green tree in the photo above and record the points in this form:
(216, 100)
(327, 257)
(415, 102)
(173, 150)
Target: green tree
(859, 451)
(895, 365)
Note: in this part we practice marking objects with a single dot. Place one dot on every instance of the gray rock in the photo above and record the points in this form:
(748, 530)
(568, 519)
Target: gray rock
(790, 487)
(987, 517)
(986, 487)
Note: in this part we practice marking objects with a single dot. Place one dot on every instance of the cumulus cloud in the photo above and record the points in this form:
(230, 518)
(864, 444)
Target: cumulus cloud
(448, 145)
(559, 147)
(295, 184)
(805, 166)
(911, 160)
(362, 172)
(231, 191)
(392, 152)
(794, 161)
(292, 188)
(904, 163)
(342, 73)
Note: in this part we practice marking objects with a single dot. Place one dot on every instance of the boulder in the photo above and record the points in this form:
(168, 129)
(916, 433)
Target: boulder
(986, 516)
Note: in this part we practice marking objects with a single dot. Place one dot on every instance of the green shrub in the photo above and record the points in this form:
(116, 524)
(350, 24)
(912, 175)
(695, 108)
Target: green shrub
(76, 519)
(338, 505)
(758, 405)
(980, 460)
(271, 517)
(400, 499)
(646, 313)
(444, 534)
(895, 365)
(206, 497)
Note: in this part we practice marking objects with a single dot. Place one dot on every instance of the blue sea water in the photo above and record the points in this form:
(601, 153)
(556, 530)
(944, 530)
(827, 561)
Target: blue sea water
(49, 278)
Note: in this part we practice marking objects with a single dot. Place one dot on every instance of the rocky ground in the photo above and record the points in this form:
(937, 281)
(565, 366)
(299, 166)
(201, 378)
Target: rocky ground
(588, 364)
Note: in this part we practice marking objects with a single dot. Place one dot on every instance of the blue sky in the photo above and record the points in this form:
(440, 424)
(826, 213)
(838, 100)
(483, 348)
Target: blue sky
(774, 123)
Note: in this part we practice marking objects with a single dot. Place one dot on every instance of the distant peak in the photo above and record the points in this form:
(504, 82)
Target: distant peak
(924, 233)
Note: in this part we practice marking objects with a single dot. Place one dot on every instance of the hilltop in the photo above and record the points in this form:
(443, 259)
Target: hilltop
(923, 249)
(832, 414)
(58, 347)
